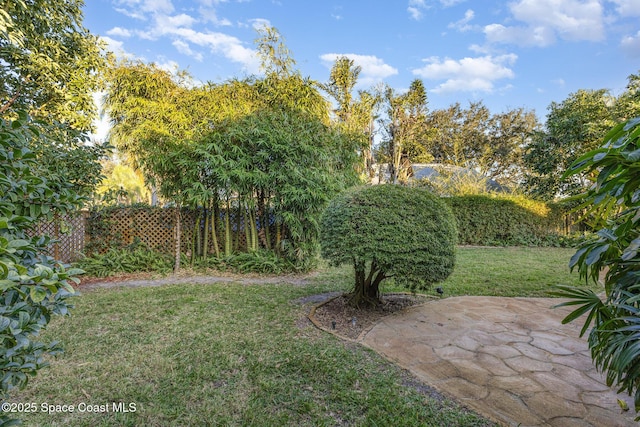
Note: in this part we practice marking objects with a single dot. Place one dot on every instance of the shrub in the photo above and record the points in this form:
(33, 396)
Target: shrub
(504, 220)
(33, 286)
(136, 258)
(405, 233)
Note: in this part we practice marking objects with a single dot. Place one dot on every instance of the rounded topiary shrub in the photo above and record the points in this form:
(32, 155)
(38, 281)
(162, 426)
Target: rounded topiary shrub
(389, 231)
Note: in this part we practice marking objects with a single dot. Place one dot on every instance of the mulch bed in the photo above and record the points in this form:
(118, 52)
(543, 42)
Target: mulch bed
(340, 318)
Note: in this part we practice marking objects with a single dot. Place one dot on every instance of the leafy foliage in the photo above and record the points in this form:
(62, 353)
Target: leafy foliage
(262, 148)
(355, 116)
(33, 286)
(261, 261)
(573, 126)
(132, 259)
(614, 197)
(49, 63)
(475, 138)
(124, 182)
(401, 232)
(504, 220)
(405, 129)
(67, 160)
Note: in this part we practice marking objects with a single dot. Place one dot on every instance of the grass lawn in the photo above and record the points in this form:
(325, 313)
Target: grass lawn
(229, 354)
(496, 271)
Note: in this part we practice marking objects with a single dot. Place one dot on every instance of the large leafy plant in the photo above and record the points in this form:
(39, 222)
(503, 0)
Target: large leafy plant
(614, 197)
(33, 286)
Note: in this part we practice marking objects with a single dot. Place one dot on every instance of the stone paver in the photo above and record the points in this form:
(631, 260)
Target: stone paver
(509, 359)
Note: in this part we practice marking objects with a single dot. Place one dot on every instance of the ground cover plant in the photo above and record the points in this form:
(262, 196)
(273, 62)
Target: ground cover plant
(229, 354)
(511, 272)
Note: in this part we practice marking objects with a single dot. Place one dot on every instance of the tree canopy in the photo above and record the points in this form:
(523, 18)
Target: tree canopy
(573, 126)
(355, 116)
(261, 150)
(404, 129)
(49, 63)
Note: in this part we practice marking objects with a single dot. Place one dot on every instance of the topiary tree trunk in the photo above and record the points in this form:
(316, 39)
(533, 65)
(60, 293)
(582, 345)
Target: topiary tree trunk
(366, 291)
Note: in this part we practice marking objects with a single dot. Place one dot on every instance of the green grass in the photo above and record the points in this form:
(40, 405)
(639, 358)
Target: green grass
(228, 354)
(495, 271)
(511, 272)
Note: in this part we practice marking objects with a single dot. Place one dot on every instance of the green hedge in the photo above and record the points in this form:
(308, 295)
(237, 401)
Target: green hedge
(506, 220)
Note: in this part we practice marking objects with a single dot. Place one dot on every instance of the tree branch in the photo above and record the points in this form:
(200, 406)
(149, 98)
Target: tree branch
(10, 102)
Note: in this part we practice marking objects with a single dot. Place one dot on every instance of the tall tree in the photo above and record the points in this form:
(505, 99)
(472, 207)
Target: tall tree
(342, 80)
(628, 103)
(405, 127)
(573, 126)
(509, 132)
(459, 135)
(49, 63)
(355, 116)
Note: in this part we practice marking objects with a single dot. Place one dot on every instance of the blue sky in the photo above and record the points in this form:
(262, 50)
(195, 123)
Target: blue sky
(509, 54)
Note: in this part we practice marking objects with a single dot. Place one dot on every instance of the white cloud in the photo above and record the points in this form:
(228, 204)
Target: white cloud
(138, 9)
(119, 32)
(468, 74)
(184, 48)
(545, 20)
(165, 24)
(116, 47)
(260, 23)
(463, 24)
(210, 3)
(220, 43)
(627, 8)
(207, 14)
(522, 36)
(179, 28)
(415, 9)
(631, 45)
(374, 69)
(416, 14)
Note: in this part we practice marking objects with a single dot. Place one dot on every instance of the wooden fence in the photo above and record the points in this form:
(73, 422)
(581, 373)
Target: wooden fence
(68, 234)
(86, 232)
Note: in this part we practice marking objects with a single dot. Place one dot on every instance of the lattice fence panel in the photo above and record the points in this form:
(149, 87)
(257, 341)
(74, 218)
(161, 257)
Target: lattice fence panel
(156, 229)
(68, 233)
